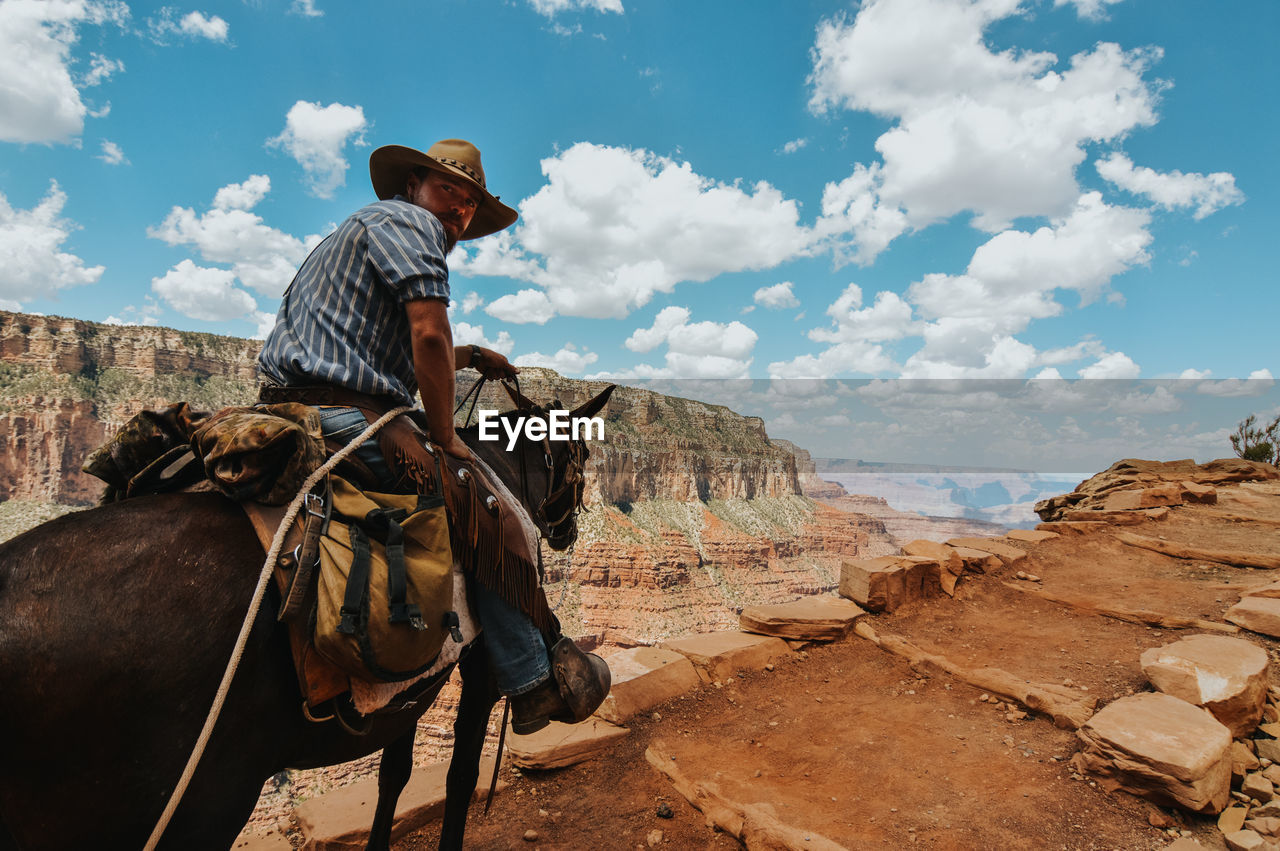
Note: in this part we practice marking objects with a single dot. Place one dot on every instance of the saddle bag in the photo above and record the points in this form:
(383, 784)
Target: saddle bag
(385, 590)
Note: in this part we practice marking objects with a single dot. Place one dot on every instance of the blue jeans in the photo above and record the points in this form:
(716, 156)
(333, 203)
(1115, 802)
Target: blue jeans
(517, 650)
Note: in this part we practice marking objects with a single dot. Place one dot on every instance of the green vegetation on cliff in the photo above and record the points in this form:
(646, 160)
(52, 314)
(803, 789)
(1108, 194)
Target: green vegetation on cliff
(115, 388)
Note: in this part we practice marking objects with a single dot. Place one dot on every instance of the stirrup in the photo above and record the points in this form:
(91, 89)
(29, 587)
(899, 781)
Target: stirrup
(351, 720)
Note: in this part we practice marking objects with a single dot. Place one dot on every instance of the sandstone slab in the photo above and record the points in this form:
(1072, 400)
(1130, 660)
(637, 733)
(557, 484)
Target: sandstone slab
(817, 618)
(1198, 493)
(1246, 840)
(1256, 614)
(1070, 528)
(340, 820)
(1116, 518)
(1135, 498)
(644, 677)
(978, 561)
(946, 556)
(558, 745)
(1270, 590)
(885, 583)
(1010, 555)
(1160, 747)
(1031, 536)
(719, 655)
(1228, 676)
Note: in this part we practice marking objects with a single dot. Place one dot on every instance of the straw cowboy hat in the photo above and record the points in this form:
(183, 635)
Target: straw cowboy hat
(390, 166)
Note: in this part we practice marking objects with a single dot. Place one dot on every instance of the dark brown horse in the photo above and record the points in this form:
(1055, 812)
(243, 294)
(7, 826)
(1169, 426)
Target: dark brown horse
(115, 627)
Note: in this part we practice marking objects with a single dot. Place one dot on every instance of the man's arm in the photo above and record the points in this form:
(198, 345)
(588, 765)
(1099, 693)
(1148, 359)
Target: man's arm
(434, 361)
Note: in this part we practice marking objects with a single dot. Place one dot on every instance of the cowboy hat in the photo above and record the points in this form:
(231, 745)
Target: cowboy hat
(391, 165)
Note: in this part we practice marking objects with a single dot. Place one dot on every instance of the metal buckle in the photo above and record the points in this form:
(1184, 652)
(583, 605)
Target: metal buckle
(316, 500)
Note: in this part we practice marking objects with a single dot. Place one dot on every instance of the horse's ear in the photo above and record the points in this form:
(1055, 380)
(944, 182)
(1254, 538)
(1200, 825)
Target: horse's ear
(518, 399)
(592, 406)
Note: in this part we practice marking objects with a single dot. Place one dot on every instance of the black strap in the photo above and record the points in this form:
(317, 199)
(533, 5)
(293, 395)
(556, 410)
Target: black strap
(357, 580)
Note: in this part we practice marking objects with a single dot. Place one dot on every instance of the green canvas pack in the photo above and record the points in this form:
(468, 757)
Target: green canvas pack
(385, 592)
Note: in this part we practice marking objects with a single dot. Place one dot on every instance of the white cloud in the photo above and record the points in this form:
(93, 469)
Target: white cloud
(32, 264)
(101, 69)
(306, 8)
(39, 100)
(1090, 10)
(204, 293)
(889, 318)
(996, 133)
(261, 256)
(567, 361)
(1114, 365)
(694, 349)
(147, 315)
(794, 145)
(112, 155)
(315, 135)
(550, 8)
(471, 301)
(522, 307)
(1207, 193)
(166, 23)
(776, 297)
(1195, 374)
(612, 226)
(466, 334)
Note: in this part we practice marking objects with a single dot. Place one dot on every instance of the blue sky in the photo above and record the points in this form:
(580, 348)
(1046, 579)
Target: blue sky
(892, 189)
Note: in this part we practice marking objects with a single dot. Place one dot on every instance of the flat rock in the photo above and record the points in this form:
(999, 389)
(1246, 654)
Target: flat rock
(1258, 787)
(946, 556)
(1271, 590)
(1070, 528)
(1010, 555)
(816, 618)
(978, 561)
(558, 745)
(1160, 747)
(1031, 536)
(1116, 518)
(1242, 759)
(1135, 498)
(1232, 818)
(883, 584)
(644, 677)
(1256, 614)
(1228, 676)
(1268, 749)
(340, 820)
(1198, 493)
(719, 655)
(1246, 840)
(1186, 843)
(1265, 826)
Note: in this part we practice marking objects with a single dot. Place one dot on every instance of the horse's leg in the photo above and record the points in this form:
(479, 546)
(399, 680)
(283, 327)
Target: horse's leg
(479, 694)
(393, 774)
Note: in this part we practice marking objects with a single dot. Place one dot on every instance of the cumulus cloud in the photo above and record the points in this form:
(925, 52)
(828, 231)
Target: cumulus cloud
(889, 318)
(567, 361)
(694, 349)
(315, 136)
(111, 154)
(551, 8)
(1207, 193)
(794, 145)
(32, 264)
(147, 315)
(39, 99)
(1114, 365)
(1090, 10)
(167, 24)
(261, 256)
(466, 334)
(776, 297)
(523, 307)
(471, 301)
(613, 226)
(204, 293)
(995, 133)
(305, 8)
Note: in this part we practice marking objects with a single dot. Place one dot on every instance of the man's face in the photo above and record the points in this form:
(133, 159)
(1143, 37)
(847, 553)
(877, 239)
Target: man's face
(451, 199)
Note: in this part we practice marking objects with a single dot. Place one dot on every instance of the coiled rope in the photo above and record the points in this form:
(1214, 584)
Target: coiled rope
(256, 603)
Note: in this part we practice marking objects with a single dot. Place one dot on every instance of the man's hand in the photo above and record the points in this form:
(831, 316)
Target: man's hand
(490, 364)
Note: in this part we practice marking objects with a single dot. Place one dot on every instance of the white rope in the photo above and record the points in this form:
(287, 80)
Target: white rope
(263, 578)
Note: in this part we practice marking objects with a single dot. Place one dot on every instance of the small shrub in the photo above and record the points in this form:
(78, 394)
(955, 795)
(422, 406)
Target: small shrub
(1253, 443)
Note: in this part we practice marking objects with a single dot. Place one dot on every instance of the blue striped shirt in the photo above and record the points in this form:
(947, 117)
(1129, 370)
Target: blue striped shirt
(342, 321)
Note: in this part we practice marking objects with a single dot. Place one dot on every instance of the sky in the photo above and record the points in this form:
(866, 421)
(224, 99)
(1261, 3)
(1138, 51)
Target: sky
(892, 189)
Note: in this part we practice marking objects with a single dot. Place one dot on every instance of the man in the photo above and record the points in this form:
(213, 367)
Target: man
(366, 314)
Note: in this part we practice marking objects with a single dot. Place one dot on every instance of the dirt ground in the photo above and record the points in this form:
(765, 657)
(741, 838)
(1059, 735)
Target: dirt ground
(847, 742)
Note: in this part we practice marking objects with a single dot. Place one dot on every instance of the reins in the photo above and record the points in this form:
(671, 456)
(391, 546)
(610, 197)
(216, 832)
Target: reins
(254, 605)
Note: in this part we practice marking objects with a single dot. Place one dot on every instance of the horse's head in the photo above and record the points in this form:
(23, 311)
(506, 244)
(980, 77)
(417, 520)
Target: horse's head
(552, 472)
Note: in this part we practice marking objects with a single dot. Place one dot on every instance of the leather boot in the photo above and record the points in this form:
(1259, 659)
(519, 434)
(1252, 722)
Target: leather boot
(578, 684)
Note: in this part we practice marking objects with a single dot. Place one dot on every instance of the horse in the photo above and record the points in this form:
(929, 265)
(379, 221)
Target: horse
(116, 624)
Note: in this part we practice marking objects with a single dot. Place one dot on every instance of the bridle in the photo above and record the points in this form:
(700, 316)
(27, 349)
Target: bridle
(553, 510)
